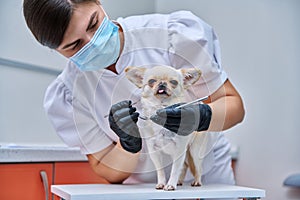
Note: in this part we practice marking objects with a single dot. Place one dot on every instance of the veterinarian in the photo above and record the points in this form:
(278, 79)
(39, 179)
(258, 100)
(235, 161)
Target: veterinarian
(93, 85)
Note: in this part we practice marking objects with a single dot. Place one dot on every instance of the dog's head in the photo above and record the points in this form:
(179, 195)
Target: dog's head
(162, 82)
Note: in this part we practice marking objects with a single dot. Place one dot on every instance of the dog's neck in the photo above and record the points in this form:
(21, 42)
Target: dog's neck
(151, 105)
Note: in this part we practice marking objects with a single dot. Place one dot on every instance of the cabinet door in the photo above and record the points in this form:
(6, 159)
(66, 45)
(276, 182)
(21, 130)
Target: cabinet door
(23, 181)
(75, 173)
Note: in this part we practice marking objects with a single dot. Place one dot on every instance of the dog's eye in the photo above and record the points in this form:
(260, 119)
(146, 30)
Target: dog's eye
(174, 82)
(151, 82)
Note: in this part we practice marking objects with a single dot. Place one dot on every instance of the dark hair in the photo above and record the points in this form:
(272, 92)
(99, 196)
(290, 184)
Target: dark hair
(49, 19)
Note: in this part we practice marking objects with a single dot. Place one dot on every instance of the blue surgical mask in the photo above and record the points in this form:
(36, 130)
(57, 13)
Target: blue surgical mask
(102, 50)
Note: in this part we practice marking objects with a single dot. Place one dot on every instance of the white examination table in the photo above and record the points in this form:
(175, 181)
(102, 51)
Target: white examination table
(147, 191)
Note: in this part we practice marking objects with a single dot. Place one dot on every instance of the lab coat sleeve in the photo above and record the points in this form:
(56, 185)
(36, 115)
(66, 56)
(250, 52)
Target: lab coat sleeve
(193, 43)
(72, 121)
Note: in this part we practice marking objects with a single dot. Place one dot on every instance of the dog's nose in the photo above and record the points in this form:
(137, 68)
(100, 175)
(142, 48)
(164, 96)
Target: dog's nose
(162, 88)
(162, 84)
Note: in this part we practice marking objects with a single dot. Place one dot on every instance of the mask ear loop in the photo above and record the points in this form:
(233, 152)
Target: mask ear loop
(102, 9)
(114, 21)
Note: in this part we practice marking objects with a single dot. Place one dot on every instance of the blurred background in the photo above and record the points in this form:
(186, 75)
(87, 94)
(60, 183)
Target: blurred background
(260, 46)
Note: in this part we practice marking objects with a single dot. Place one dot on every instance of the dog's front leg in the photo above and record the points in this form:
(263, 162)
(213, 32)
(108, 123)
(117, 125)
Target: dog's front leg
(161, 177)
(197, 153)
(183, 172)
(175, 172)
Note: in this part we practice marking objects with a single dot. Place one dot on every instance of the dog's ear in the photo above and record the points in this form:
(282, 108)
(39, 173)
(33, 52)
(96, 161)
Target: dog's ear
(135, 75)
(190, 76)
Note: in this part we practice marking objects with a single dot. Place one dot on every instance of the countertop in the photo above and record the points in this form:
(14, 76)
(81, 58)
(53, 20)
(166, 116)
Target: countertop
(21, 154)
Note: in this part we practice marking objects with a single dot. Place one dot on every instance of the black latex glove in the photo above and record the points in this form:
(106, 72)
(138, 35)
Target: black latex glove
(183, 121)
(122, 120)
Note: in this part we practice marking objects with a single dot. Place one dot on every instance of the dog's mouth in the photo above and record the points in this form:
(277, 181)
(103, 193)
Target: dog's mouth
(162, 91)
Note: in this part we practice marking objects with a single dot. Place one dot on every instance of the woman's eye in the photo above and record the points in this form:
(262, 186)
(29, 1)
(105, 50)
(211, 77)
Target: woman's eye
(76, 45)
(151, 82)
(174, 82)
(94, 25)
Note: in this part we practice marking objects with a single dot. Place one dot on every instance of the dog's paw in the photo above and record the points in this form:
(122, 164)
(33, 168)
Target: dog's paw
(179, 183)
(159, 186)
(169, 188)
(196, 184)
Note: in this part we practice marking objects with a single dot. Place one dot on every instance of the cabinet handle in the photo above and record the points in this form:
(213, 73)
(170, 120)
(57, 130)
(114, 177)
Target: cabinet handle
(45, 183)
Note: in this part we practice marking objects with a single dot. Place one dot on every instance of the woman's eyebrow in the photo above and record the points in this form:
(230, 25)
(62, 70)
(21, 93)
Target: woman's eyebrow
(88, 27)
(91, 21)
(70, 44)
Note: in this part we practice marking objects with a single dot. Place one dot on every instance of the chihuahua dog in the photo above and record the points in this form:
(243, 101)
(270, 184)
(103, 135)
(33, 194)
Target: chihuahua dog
(164, 86)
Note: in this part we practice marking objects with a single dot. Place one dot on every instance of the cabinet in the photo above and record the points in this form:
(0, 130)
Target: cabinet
(76, 172)
(24, 182)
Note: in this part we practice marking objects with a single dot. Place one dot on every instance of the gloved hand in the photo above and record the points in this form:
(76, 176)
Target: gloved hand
(122, 120)
(183, 121)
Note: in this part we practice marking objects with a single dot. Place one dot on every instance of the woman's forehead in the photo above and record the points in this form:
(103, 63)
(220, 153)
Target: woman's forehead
(80, 19)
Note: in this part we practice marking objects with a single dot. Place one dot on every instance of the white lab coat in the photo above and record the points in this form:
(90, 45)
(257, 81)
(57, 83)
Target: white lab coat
(77, 102)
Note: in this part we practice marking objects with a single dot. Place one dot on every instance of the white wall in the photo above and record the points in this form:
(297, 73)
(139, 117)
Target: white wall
(121, 8)
(22, 118)
(261, 52)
